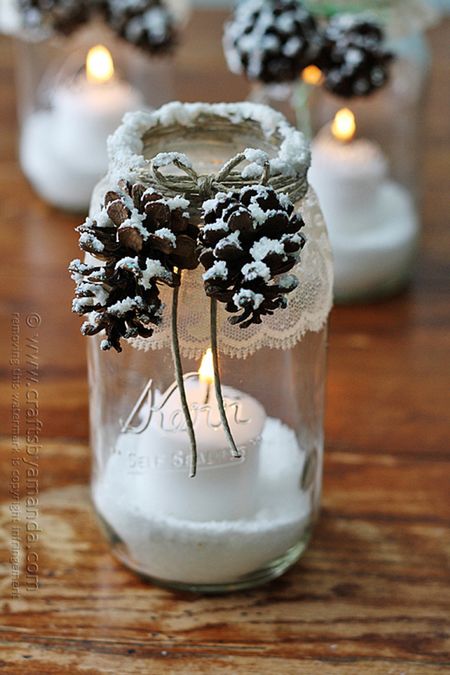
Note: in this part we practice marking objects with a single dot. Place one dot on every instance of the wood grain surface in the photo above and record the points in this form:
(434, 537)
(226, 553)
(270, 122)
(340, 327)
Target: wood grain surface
(371, 594)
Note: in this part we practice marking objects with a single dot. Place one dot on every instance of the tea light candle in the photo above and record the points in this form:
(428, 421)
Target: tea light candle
(63, 151)
(371, 219)
(223, 488)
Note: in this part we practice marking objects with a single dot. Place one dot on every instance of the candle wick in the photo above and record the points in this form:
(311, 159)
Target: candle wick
(208, 393)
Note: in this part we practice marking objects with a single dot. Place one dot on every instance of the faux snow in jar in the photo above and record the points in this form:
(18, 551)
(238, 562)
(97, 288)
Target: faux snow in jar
(207, 266)
(80, 67)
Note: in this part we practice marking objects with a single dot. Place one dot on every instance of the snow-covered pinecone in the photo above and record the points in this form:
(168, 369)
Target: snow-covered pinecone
(148, 24)
(270, 40)
(353, 59)
(140, 237)
(62, 16)
(249, 238)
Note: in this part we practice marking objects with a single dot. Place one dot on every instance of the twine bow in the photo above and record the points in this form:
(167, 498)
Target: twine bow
(204, 185)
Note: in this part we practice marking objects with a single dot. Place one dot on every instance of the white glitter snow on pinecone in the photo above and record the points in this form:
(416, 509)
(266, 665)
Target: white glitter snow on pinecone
(249, 242)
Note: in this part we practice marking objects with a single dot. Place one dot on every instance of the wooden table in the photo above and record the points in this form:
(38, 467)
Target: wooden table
(370, 595)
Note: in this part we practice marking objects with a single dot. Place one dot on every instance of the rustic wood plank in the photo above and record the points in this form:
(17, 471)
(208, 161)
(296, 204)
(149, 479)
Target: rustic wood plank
(371, 594)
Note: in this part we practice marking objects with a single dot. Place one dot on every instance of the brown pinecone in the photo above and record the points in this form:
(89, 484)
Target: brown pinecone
(352, 58)
(143, 239)
(271, 40)
(249, 239)
(62, 16)
(148, 24)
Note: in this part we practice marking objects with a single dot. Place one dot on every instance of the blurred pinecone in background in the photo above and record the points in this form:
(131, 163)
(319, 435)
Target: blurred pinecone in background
(271, 40)
(148, 24)
(62, 16)
(353, 59)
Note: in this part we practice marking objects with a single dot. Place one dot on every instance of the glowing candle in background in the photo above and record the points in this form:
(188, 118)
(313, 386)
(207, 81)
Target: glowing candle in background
(370, 218)
(63, 150)
(312, 75)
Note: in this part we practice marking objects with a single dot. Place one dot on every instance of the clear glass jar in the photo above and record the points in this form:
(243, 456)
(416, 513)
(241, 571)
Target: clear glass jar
(65, 117)
(369, 186)
(240, 521)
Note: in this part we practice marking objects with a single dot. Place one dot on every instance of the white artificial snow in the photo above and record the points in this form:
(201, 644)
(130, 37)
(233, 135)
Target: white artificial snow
(135, 220)
(258, 214)
(121, 307)
(247, 297)
(102, 219)
(264, 246)
(127, 263)
(218, 270)
(89, 240)
(217, 225)
(256, 270)
(167, 234)
(100, 294)
(255, 155)
(167, 158)
(153, 270)
(177, 202)
(251, 171)
(231, 240)
(209, 551)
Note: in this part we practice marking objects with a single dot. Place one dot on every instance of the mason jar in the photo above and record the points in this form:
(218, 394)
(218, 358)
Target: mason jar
(369, 179)
(245, 517)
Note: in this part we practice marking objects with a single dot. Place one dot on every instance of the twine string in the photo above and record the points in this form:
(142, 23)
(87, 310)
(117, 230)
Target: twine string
(205, 186)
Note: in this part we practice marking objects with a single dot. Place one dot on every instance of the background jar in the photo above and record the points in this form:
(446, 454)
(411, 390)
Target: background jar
(66, 117)
(374, 228)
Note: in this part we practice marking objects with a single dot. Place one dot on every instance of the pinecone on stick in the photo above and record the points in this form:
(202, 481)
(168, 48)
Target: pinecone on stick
(62, 16)
(271, 40)
(141, 240)
(148, 24)
(250, 240)
(352, 58)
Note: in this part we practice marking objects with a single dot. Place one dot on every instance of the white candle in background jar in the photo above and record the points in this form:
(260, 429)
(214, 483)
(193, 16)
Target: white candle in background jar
(224, 487)
(63, 150)
(371, 219)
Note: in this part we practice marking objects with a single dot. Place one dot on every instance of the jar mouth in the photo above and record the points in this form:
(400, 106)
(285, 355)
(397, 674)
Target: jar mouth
(207, 136)
(213, 135)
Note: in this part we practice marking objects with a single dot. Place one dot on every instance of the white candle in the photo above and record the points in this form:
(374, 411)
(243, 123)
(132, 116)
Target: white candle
(371, 219)
(63, 150)
(210, 551)
(159, 455)
(346, 174)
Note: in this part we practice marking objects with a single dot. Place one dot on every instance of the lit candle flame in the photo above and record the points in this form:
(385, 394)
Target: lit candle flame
(312, 75)
(99, 65)
(206, 370)
(344, 125)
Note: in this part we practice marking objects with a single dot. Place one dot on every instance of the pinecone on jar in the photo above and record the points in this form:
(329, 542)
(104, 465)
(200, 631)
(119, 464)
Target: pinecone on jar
(352, 58)
(148, 24)
(271, 40)
(249, 242)
(141, 240)
(61, 16)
